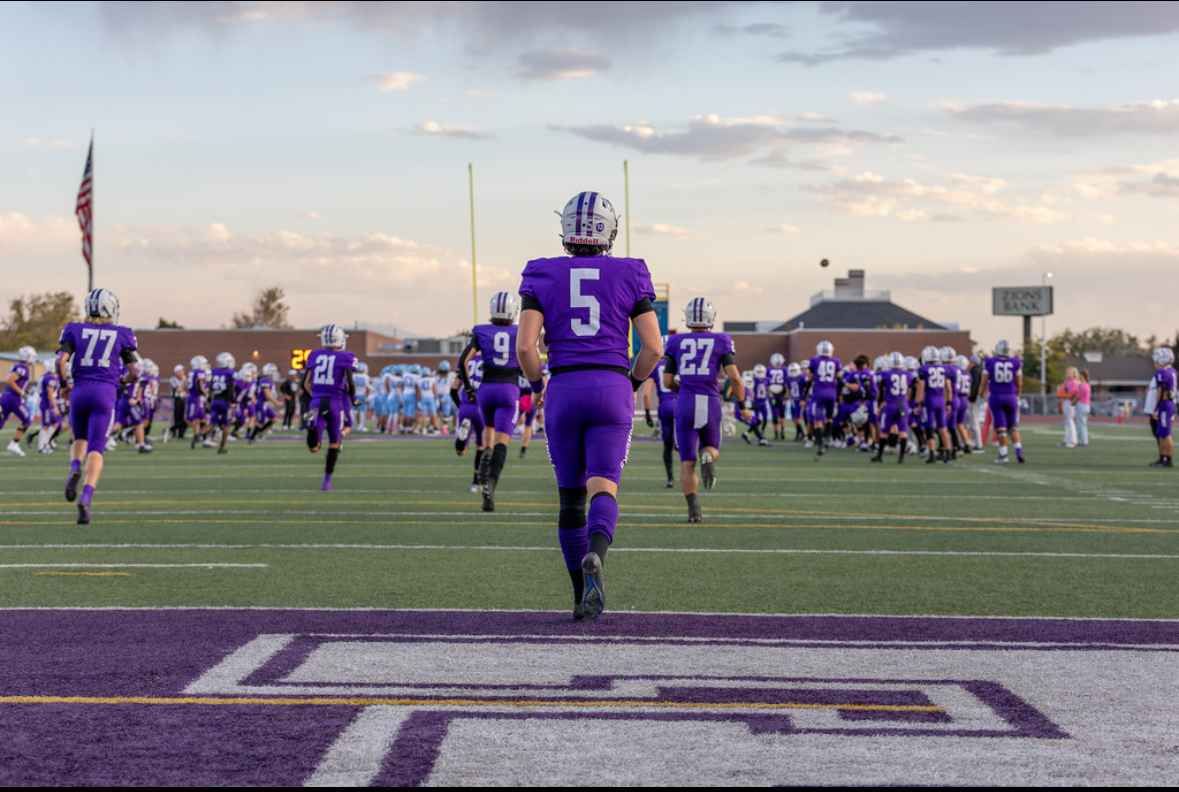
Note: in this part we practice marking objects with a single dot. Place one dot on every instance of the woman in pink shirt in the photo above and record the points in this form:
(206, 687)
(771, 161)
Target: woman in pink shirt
(1084, 391)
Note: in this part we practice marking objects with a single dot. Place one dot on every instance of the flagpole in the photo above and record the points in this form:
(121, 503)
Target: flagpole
(474, 282)
(90, 279)
(626, 191)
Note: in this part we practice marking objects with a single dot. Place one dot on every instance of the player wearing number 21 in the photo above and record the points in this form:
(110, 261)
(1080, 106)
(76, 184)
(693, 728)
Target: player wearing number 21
(89, 362)
(584, 303)
(333, 394)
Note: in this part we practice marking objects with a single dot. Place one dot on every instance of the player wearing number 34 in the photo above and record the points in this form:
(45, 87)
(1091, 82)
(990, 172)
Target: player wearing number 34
(585, 302)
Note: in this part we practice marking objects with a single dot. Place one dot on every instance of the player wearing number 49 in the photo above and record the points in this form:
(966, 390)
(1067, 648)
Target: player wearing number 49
(333, 394)
(584, 303)
(89, 356)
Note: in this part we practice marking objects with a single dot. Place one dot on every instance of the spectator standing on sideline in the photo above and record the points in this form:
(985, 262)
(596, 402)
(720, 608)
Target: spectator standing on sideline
(1067, 395)
(179, 383)
(1084, 394)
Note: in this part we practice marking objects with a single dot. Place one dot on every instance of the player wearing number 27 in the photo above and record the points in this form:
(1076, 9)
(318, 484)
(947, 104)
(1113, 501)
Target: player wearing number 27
(89, 357)
(585, 302)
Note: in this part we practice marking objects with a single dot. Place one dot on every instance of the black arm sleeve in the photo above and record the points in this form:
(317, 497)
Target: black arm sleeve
(530, 303)
(464, 375)
(728, 359)
(641, 307)
(67, 347)
(671, 367)
(349, 383)
(130, 355)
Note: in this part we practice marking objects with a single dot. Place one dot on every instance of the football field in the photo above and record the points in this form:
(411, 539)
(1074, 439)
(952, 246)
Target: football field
(222, 621)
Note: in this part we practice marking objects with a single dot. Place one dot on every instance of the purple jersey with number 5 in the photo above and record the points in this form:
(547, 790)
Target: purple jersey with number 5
(586, 303)
(697, 359)
(98, 350)
(327, 369)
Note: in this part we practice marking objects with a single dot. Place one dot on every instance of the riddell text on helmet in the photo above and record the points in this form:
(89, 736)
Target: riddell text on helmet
(585, 240)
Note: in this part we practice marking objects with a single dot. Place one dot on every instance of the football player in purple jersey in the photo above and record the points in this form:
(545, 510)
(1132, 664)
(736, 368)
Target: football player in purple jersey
(12, 400)
(222, 397)
(934, 395)
(666, 414)
(469, 420)
(894, 414)
(1003, 377)
(90, 356)
(332, 390)
(51, 421)
(699, 357)
(196, 407)
(776, 374)
(585, 303)
(759, 386)
(1167, 382)
(499, 395)
(798, 387)
(824, 369)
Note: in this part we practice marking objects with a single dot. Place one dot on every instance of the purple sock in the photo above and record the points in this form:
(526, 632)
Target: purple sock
(603, 515)
(75, 466)
(87, 493)
(574, 545)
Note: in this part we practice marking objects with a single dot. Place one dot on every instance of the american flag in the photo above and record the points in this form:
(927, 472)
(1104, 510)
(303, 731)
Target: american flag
(83, 210)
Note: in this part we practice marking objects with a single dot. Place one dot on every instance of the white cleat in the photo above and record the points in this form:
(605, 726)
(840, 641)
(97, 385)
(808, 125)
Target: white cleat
(14, 448)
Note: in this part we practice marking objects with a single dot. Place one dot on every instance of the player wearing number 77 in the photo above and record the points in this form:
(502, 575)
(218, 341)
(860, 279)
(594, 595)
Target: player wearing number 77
(584, 302)
(699, 357)
(88, 357)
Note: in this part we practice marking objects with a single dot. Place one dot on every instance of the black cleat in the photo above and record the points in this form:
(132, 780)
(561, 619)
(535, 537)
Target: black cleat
(671, 483)
(83, 514)
(593, 601)
(707, 470)
(578, 612)
(695, 514)
(489, 496)
(71, 491)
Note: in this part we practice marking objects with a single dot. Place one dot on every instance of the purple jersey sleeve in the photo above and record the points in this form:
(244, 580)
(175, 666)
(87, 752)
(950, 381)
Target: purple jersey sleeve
(587, 303)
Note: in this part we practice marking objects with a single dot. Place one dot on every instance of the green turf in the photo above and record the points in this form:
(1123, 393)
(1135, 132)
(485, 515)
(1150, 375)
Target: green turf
(1069, 534)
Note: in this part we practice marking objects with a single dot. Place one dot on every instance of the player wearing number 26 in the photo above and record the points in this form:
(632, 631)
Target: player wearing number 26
(585, 302)
(90, 361)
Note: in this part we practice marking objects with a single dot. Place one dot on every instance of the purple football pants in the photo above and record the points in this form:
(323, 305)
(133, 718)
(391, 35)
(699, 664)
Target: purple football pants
(589, 416)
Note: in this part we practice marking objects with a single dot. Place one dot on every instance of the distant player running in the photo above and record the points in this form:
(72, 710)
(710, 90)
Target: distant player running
(333, 393)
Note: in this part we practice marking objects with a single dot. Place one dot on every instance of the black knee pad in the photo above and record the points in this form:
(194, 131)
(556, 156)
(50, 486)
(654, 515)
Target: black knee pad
(572, 512)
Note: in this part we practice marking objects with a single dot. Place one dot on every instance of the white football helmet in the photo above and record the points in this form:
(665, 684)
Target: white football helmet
(947, 354)
(588, 224)
(247, 374)
(804, 364)
(1003, 348)
(793, 370)
(896, 360)
(333, 337)
(912, 363)
(825, 349)
(961, 362)
(880, 363)
(250, 367)
(1164, 356)
(777, 359)
(26, 354)
(149, 367)
(759, 371)
(700, 313)
(199, 362)
(270, 370)
(226, 360)
(505, 306)
(102, 304)
(930, 354)
(860, 416)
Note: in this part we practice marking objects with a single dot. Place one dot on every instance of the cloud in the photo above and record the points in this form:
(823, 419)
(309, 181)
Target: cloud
(1158, 180)
(1155, 117)
(882, 31)
(397, 81)
(308, 215)
(713, 138)
(768, 29)
(560, 65)
(462, 131)
(871, 195)
(783, 228)
(660, 229)
(863, 97)
(19, 232)
(34, 142)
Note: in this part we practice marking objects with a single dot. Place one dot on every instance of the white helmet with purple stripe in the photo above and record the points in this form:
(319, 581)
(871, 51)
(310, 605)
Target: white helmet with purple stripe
(505, 306)
(333, 337)
(588, 225)
(1164, 356)
(102, 304)
(700, 313)
(26, 354)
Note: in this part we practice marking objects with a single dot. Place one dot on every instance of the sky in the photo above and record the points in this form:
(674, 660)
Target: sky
(325, 147)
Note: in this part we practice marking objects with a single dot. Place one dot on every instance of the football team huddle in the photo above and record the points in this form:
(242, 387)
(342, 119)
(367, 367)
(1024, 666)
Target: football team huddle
(583, 305)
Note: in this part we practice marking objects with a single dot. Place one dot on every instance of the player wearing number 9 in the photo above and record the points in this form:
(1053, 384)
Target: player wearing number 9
(584, 303)
(89, 357)
(499, 394)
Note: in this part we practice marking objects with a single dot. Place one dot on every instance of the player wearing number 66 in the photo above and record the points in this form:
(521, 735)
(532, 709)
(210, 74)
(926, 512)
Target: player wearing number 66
(585, 302)
(1004, 379)
(88, 361)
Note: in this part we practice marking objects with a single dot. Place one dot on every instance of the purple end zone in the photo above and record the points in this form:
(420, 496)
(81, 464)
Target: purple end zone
(159, 653)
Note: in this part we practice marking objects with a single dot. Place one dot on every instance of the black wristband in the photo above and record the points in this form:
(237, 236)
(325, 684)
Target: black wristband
(634, 382)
